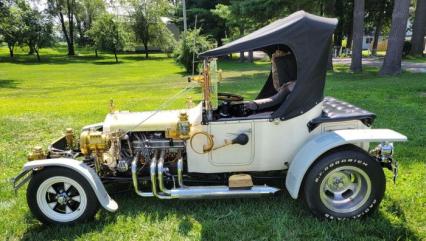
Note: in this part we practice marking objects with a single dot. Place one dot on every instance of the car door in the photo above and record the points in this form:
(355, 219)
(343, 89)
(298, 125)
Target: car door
(231, 155)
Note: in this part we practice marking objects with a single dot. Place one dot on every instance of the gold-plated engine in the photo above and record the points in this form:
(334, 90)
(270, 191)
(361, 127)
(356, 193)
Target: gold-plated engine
(94, 141)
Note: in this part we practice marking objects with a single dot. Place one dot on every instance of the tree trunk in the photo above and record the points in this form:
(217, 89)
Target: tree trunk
(250, 56)
(358, 32)
(65, 32)
(392, 62)
(378, 29)
(11, 47)
(145, 45)
(38, 55)
(419, 28)
(349, 40)
(32, 51)
(82, 38)
(70, 6)
(241, 57)
(115, 55)
(96, 53)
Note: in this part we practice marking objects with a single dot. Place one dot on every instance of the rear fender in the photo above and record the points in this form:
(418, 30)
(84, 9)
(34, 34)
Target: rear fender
(84, 170)
(324, 142)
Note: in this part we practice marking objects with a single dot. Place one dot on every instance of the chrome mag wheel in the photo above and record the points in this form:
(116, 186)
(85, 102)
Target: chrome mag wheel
(345, 189)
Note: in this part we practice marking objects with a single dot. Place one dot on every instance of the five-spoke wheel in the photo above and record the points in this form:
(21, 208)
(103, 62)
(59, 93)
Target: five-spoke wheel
(61, 196)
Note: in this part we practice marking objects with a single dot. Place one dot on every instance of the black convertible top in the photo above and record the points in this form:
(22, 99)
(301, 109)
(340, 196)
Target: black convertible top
(308, 37)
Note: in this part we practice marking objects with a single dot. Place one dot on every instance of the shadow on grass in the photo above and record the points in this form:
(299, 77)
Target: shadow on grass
(51, 59)
(270, 218)
(8, 84)
(141, 57)
(64, 59)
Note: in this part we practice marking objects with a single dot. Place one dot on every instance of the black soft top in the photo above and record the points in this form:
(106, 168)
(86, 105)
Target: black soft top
(308, 37)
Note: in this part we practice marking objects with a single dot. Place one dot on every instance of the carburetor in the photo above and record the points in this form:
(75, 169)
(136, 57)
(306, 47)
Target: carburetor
(94, 141)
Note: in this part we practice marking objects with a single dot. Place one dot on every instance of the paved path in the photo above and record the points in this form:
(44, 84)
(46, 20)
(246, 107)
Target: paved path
(378, 61)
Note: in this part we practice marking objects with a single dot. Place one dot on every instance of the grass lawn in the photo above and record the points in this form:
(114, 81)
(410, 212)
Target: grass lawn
(37, 101)
(416, 59)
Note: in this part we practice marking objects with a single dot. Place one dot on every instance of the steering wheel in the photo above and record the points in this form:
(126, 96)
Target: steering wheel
(228, 97)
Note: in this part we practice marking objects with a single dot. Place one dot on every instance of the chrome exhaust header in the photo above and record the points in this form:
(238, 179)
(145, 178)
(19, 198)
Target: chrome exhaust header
(189, 192)
(152, 170)
(180, 172)
(135, 178)
(160, 171)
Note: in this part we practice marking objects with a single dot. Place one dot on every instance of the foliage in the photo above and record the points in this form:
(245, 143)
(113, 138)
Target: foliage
(209, 23)
(109, 34)
(191, 44)
(38, 29)
(86, 13)
(65, 11)
(11, 26)
(148, 26)
(40, 100)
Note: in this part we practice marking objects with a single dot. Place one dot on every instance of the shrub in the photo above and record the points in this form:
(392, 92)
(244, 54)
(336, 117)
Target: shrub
(191, 42)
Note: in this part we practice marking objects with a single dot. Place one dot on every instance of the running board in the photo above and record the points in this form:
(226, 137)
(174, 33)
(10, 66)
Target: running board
(205, 192)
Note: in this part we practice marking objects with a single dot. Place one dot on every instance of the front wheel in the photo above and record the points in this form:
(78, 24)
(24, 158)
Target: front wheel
(58, 195)
(344, 184)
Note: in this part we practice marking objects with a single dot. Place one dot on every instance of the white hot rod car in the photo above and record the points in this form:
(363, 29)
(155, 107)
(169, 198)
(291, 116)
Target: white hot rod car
(319, 147)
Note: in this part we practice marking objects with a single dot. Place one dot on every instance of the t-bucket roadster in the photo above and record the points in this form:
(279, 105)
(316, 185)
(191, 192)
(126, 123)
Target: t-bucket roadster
(225, 146)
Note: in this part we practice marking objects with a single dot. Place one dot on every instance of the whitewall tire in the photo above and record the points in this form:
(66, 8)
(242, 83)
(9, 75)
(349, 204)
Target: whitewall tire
(58, 195)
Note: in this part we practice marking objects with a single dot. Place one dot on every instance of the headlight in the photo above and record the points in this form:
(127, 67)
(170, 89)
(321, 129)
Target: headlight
(386, 149)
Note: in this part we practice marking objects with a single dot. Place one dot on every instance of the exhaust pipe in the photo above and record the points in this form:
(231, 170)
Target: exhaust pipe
(152, 169)
(180, 172)
(205, 192)
(135, 178)
(160, 171)
(189, 192)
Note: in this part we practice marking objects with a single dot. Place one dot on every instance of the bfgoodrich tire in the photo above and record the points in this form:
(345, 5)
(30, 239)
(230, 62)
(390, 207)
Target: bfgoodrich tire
(57, 195)
(344, 184)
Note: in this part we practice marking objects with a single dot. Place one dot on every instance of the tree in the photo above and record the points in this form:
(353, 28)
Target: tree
(147, 25)
(109, 35)
(11, 26)
(237, 22)
(209, 23)
(419, 29)
(65, 11)
(392, 61)
(358, 33)
(190, 44)
(86, 12)
(38, 31)
(377, 21)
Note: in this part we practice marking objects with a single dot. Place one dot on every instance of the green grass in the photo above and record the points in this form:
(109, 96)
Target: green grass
(416, 59)
(37, 101)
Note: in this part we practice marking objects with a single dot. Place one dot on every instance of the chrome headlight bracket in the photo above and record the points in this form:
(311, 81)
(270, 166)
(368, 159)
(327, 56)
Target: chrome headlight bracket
(384, 154)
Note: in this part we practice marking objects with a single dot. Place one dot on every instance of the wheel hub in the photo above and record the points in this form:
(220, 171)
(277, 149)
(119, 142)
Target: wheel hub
(345, 189)
(62, 198)
(338, 181)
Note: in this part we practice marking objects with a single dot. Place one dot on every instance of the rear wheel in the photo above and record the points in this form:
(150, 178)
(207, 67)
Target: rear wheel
(344, 184)
(61, 196)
